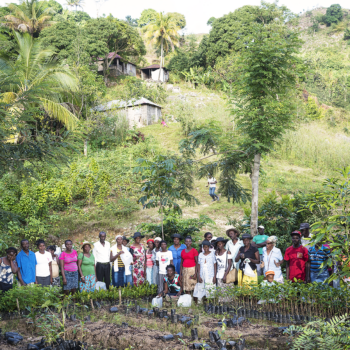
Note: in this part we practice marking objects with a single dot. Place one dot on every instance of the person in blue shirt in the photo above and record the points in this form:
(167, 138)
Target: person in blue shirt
(176, 249)
(26, 262)
(317, 255)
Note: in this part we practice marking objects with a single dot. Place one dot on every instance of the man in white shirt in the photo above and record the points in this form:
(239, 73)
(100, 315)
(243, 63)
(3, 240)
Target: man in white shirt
(212, 187)
(305, 235)
(101, 253)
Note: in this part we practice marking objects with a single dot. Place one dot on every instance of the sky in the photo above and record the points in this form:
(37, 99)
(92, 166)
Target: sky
(197, 12)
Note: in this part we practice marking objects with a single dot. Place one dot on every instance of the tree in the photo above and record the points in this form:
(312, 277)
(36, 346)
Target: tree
(76, 3)
(29, 16)
(334, 14)
(131, 21)
(35, 78)
(231, 32)
(179, 19)
(211, 21)
(166, 180)
(146, 17)
(58, 8)
(107, 35)
(163, 32)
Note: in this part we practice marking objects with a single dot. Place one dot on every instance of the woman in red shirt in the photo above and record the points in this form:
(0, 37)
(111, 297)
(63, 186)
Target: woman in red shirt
(188, 268)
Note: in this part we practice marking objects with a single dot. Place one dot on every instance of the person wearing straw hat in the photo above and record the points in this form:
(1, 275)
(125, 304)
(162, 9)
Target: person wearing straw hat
(176, 249)
(157, 241)
(122, 259)
(139, 259)
(87, 269)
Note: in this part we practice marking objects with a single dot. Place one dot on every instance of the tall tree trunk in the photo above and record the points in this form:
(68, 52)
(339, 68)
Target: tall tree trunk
(85, 147)
(255, 195)
(161, 59)
(161, 208)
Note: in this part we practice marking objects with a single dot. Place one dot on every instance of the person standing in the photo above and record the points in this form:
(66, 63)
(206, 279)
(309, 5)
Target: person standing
(54, 266)
(149, 262)
(224, 263)
(157, 241)
(272, 259)
(176, 250)
(259, 241)
(248, 254)
(101, 252)
(164, 258)
(212, 187)
(128, 278)
(44, 265)
(297, 258)
(305, 235)
(87, 269)
(26, 262)
(207, 268)
(122, 259)
(139, 260)
(208, 236)
(318, 254)
(8, 268)
(69, 268)
(189, 265)
(233, 246)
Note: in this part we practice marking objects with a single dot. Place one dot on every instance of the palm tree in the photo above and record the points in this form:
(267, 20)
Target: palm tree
(163, 31)
(76, 3)
(36, 78)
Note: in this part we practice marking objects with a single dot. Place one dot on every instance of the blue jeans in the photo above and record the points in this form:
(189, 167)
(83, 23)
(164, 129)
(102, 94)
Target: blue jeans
(318, 276)
(212, 193)
(119, 277)
(128, 278)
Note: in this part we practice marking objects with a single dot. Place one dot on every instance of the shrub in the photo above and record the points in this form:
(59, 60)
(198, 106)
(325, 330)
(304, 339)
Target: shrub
(312, 110)
(347, 34)
(334, 14)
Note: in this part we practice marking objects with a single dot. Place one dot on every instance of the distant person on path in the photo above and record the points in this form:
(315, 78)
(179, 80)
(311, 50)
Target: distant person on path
(259, 241)
(212, 186)
(176, 250)
(157, 241)
(164, 258)
(69, 268)
(297, 258)
(318, 254)
(188, 269)
(305, 235)
(272, 259)
(251, 253)
(8, 268)
(122, 259)
(87, 269)
(26, 262)
(139, 260)
(44, 265)
(149, 262)
(233, 246)
(101, 252)
(55, 266)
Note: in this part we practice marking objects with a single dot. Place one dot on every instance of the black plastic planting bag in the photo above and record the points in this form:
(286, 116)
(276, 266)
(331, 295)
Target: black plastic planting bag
(240, 345)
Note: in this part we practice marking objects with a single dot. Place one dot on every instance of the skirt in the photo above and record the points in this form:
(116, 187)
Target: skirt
(72, 280)
(246, 281)
(43, 281)
(222, 291)
(155, 275)
(149, 275)
(56, 282)
(89, 285)
(187, 283)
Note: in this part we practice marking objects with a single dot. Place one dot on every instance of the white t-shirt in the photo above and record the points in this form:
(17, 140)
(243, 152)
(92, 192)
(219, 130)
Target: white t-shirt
(42, 266)
(221, 265)
(212, 179)
(306, 242)
(164, 259)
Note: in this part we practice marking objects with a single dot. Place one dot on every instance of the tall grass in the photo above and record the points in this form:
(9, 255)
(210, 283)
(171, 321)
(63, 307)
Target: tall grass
(316, 148)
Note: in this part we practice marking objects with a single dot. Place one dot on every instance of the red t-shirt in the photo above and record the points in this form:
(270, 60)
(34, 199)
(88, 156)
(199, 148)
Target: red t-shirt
(297, 258)
(189, 258)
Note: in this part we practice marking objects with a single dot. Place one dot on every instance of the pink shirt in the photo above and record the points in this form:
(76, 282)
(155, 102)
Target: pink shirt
(70, 261)
(149, 262)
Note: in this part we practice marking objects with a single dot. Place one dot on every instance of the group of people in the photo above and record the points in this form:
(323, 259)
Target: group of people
(175, 270)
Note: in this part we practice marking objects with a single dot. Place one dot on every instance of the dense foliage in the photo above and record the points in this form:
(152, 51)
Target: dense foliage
(334, 14)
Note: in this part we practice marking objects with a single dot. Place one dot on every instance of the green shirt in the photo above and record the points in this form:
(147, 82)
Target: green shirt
(258, 239)
(87, 265)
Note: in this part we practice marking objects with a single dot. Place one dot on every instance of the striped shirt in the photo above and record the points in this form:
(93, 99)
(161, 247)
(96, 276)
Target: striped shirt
(120, 262)
(317, 257)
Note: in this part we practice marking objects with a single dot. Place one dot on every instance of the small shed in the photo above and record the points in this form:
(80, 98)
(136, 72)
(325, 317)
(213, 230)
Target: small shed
(152, 72)
(139, 113)
(118, 66)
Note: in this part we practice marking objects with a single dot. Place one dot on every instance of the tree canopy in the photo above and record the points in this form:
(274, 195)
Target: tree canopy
(146, 16)
(334, 14)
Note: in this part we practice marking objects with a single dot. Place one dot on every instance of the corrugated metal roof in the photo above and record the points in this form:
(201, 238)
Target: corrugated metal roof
(117, 104)
(110, 55)
(153, 66)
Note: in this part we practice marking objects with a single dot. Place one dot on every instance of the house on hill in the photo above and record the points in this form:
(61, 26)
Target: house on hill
(118, 66)
(152, 72)
(139, 113)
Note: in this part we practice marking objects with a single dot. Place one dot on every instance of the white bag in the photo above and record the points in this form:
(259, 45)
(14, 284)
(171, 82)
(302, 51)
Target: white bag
(248, 271)
(100, 285)
(199, 291)
(185, 300)
(157, 302)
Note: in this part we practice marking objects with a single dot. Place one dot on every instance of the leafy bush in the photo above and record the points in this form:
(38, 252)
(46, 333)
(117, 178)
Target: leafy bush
(334, 14)
(347, 34)
(312, 110)
(184, 114)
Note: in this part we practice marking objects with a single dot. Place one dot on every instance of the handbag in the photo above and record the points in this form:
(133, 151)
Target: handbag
(232, 276)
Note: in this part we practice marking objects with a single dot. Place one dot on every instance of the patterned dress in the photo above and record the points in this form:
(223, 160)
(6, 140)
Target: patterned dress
(139, 265)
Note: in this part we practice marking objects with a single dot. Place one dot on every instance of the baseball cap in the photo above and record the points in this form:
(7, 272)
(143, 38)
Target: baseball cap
(296, 233)
(304, 225)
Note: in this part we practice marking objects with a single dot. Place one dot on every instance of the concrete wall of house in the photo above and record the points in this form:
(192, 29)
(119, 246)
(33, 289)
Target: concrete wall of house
(131, 69)
(164, 76)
